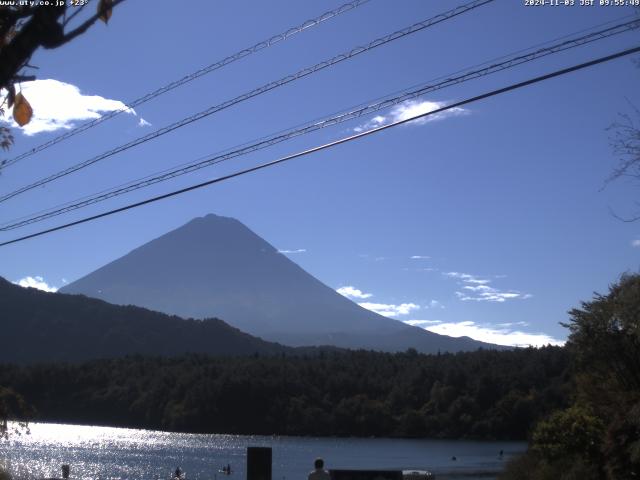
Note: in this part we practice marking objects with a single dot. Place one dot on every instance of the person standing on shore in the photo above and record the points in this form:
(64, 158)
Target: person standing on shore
(319, 473)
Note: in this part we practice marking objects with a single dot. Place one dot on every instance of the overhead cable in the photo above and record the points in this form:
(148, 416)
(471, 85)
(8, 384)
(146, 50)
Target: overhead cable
(335, 143)
(357, 112)
(416, 27)
(188, 78)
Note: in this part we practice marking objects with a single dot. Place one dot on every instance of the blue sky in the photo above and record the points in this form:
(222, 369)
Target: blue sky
(490, 221)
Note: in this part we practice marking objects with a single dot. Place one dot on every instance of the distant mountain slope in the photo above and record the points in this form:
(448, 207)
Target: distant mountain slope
(37, 326)
(215, 266)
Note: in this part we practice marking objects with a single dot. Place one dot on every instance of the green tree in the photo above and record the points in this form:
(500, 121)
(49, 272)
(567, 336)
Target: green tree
(13, 408)
(605, 342)
(574, 432)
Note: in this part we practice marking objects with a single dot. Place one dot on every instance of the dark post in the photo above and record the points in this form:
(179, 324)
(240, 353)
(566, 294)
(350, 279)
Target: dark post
(258, 463)
(65, 471)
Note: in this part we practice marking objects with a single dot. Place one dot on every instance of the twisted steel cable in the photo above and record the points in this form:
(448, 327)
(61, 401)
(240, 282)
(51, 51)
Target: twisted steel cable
(335, 143)
(358, 112)
(416, 27)
(190, 77)
(329, 121)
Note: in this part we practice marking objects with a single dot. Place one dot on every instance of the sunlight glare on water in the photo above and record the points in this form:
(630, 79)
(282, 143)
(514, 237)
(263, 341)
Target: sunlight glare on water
(122, 454)
(109, 453)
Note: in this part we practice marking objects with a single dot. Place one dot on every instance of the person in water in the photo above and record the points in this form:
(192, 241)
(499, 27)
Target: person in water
(319, 473)
(178, 473)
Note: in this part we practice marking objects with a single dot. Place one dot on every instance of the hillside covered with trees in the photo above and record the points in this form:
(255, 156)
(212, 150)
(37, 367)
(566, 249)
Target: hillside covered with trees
(47, 327)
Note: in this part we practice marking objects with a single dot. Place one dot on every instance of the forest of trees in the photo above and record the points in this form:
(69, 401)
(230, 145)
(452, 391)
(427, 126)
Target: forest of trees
(483, 394)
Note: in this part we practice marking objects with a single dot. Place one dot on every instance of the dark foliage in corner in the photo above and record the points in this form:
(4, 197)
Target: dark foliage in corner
(598, 437)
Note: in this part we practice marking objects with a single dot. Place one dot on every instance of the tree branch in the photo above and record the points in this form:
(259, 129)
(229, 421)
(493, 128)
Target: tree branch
(41, 30)
(77, 11)
(86, 25)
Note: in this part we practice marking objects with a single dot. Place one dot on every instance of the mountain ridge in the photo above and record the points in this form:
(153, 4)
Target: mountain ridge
(42, 326)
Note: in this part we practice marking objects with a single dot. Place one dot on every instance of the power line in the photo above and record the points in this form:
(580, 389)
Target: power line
(357, 136)
(253, 93)
(190, 77)
(358, 112)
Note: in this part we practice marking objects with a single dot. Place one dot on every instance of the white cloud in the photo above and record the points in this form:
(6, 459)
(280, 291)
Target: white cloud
(434, 304)
(635, 243)
(58, 105)
(408, 109)
(466, 277)
(352, 292)
(384, 309)
(420, 323)
(36, 282)
(492, 295)
(299, 250)
(420, 257)
(478, 281)
(512, 324)
(390, 310)
(478, 289)
(499, 334)
(143, 123)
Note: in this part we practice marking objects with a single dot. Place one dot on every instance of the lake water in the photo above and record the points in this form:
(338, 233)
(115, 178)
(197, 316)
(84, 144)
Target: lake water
(119, 454)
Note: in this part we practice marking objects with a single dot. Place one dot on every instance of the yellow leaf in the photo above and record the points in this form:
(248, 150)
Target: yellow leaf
(104, 9)
(22, 111)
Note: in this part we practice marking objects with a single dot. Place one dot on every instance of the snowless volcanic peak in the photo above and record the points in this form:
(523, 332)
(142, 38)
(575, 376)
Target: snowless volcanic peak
(215, 266)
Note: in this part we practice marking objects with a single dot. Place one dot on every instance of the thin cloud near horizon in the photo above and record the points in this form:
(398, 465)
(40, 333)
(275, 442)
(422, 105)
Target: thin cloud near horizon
(389, 309)
(506, 333)
(36, 282)
(478, 289)
(385, 309)
(299, 250)
(498, 334)
(352, 292)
